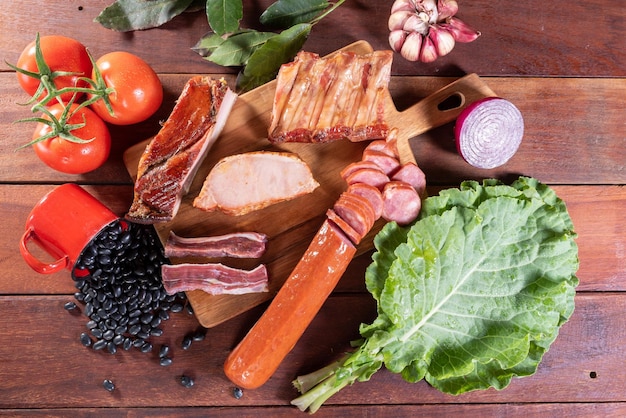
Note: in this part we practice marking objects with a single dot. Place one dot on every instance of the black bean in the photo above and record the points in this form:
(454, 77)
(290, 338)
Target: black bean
(134, 329)
(85, 339)
(199, 335)
(165, 361)
(146, 347)
(108, 385)
(186, 381)
(187, 340)
(118, 339)
(111, 347)
(92, 324)
(164, 350)
(97, 332)
(108, 335)
(177, 307)
(127, 344)
(156, 332)
(237, 393)
(99, 345)
(146, 318)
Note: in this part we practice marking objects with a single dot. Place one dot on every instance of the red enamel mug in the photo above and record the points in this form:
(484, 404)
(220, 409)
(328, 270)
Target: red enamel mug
(62, 223)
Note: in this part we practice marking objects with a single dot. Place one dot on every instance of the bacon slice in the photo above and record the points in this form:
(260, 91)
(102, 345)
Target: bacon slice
(242, 183)
(213, 278)
(171, 159)
(236, 245)
(326, 99)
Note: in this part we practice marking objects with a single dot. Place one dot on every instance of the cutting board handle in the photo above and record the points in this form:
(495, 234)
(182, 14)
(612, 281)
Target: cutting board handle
(437, 109)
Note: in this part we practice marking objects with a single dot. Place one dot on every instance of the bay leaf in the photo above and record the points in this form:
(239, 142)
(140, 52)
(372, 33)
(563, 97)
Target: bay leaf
(224, 15)
(130, 15)
(287, 13)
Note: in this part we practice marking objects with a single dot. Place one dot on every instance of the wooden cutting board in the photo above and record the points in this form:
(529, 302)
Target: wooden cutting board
(290, 225)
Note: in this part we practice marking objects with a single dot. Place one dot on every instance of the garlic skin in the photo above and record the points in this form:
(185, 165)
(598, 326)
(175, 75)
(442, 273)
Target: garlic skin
(430, 28)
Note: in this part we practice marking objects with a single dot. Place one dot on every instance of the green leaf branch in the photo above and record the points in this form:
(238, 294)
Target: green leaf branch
(260, 53)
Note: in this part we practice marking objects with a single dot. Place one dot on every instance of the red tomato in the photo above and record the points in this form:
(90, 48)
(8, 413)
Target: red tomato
(61, 54)
(138, 90)
(70, 157)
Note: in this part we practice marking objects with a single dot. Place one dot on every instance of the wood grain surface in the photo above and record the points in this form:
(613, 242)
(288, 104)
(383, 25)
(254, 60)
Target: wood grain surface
(561, 63)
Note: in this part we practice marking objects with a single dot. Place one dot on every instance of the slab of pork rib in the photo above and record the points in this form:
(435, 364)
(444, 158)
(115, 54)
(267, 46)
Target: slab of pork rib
(325, 99)
(171, 159)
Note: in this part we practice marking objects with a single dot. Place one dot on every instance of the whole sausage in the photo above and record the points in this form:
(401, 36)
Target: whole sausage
(268, 342)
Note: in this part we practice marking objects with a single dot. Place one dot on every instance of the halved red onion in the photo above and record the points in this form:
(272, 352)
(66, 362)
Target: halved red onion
(488, 132)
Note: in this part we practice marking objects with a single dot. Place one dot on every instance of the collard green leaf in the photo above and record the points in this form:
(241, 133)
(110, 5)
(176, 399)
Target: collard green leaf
(237, 48)
(285, 13)
(224, 15)
(129, 15)
(265, 62)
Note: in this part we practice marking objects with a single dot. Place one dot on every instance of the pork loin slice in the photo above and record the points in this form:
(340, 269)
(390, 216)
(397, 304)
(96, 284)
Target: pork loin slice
(171, 159)
(236, 245)
(325, 99)
(242, 183)
(213, 278)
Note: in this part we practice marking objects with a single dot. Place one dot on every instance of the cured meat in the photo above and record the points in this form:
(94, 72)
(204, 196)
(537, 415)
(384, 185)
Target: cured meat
(356, 211)
(385, 162)
(213, 278)
(242, 183)
(236, 245)
(401, 203)
(353, 235)
(372, 194)
(326, 99)
(352, 167)
(277, 331)
(171, 159)
(387, 146)
(372, 176)
(410, 173)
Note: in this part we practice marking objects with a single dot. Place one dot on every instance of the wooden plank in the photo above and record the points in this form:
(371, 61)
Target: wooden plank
(510, 410)
(527, 38)
(583, 121)
(45, 366)
(597, 212)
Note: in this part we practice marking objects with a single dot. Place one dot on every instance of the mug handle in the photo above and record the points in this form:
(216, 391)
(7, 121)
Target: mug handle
(37, 265)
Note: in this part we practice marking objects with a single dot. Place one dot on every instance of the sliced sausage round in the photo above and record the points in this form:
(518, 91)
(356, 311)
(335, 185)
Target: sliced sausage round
(381, 145)
(371, 193)
(356, 211)
(351, 168)
(401, 203)
(386, 163)
(412, 174)
(372, 176)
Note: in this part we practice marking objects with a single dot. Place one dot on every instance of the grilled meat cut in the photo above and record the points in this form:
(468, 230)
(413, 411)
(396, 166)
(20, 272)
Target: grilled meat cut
(236, 245)
(325, 99)
(213, 278)
(171, 159)
(241, 183)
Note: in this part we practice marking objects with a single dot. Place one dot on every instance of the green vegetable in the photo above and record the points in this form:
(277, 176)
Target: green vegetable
(129, 15)
(261, 53)
(469, 296)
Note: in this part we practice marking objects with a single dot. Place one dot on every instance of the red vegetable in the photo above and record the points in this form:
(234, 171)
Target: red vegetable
(488, 132)
(138, 92)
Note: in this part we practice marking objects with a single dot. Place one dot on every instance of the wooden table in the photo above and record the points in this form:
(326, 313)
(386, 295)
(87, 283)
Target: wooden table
(562, 63)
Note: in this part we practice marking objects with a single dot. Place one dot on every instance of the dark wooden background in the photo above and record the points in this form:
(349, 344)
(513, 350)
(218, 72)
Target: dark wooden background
(562, 63)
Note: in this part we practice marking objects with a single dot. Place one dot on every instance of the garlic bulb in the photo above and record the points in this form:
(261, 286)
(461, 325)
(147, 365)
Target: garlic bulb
(422, 30)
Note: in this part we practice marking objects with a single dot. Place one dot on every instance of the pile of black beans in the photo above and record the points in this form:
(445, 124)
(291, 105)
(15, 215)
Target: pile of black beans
(118, 277)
